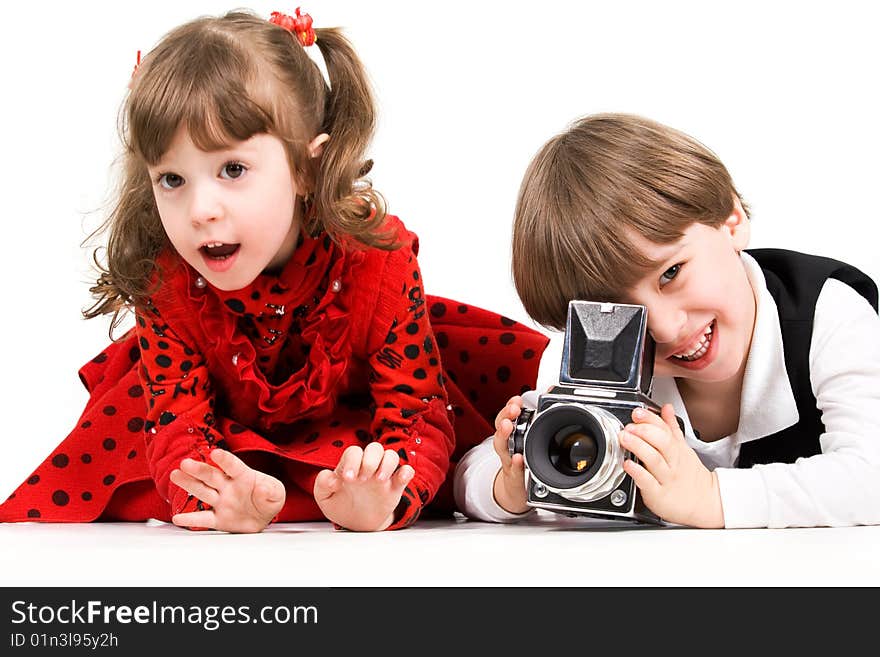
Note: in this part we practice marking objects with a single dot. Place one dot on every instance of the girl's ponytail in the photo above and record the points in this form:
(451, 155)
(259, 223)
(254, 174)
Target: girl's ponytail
(346, 204)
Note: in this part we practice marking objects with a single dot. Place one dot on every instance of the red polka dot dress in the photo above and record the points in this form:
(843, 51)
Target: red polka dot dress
(340, 348)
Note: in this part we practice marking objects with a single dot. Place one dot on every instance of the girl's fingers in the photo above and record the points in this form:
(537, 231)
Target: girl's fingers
(195, 487)
(390, 460)
(350, 463)
(204, 519)
(327, 483)
(229, 463)
(401, 478)
(269, 490)
(373, 454)
(204, 472)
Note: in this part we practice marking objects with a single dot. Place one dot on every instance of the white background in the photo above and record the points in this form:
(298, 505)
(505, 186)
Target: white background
(784, 93)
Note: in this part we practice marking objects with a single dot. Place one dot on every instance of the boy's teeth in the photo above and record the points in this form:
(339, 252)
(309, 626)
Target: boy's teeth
(700, 347)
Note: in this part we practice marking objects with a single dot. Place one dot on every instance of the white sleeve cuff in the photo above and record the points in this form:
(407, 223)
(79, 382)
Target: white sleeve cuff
(743, 497)
(473, 484)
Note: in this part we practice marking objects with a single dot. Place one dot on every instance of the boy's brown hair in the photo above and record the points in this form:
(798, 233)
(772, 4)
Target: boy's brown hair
(585, 194)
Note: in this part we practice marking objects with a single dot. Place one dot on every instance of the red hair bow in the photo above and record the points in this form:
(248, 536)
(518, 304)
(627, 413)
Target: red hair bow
(135, 70)
(301, 26)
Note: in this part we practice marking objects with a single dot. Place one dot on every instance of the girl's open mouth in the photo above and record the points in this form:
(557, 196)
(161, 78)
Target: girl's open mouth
(219, 256)
(218, 250)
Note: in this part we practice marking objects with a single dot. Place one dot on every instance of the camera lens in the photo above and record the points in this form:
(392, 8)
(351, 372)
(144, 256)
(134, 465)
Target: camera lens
(573, 450)
(565, 445)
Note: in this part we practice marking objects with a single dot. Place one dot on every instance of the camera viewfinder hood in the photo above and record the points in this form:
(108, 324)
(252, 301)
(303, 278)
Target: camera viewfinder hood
(605, 346)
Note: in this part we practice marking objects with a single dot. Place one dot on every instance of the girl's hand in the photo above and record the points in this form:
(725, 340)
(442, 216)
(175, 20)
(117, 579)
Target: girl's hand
(509, 487)
(363, 491)
(243, 500)
(674, 483)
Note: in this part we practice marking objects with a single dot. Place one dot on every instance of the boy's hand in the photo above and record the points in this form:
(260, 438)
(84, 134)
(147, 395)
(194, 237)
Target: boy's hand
(243, 500)
(509, 487)
(674, 483)
(363, 491)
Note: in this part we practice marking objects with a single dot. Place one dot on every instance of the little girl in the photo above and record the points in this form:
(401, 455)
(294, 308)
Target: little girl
(282, 365)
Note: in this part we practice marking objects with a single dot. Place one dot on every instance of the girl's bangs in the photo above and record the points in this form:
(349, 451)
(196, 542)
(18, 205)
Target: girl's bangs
(212, 103)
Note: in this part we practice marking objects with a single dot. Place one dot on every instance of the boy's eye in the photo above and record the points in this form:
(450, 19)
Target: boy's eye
(170, 180)
(669, 274)
(232, 170)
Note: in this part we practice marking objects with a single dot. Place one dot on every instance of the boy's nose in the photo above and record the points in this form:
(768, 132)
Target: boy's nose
(666, 324)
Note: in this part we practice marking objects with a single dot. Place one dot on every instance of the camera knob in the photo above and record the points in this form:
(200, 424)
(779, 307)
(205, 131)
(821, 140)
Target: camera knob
(516, 440)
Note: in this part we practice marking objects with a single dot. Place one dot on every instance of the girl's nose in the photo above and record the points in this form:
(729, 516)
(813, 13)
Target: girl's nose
(205, 208)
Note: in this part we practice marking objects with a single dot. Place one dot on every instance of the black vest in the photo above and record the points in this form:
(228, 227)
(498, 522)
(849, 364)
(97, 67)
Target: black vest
(795, 281)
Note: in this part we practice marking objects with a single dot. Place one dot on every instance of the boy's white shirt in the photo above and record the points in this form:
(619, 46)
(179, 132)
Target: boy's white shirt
(839, 487)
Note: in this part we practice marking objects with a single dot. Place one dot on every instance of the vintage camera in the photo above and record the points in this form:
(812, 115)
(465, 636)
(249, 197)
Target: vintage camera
(572, 455)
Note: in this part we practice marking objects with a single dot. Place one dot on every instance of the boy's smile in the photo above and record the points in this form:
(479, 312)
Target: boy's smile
(697, 351)
(701, 306)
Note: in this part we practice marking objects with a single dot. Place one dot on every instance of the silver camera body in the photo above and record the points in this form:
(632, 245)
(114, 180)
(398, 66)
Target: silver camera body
(573, 457)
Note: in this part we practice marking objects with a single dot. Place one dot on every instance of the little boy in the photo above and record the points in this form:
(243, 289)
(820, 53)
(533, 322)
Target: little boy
(771, 357)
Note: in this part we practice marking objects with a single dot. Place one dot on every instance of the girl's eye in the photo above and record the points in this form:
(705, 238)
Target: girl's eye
(170, 180)
(669, 274)
(232, 170)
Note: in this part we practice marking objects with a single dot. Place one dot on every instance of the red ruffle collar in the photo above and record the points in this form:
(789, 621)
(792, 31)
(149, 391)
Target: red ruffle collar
(313, 281)
(294, 286)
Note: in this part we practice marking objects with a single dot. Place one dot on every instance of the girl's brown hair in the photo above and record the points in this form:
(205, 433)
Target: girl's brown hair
(227, 79)
(585, 194)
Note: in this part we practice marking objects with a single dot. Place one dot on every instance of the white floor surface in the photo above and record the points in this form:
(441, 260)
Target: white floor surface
(549, 550)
